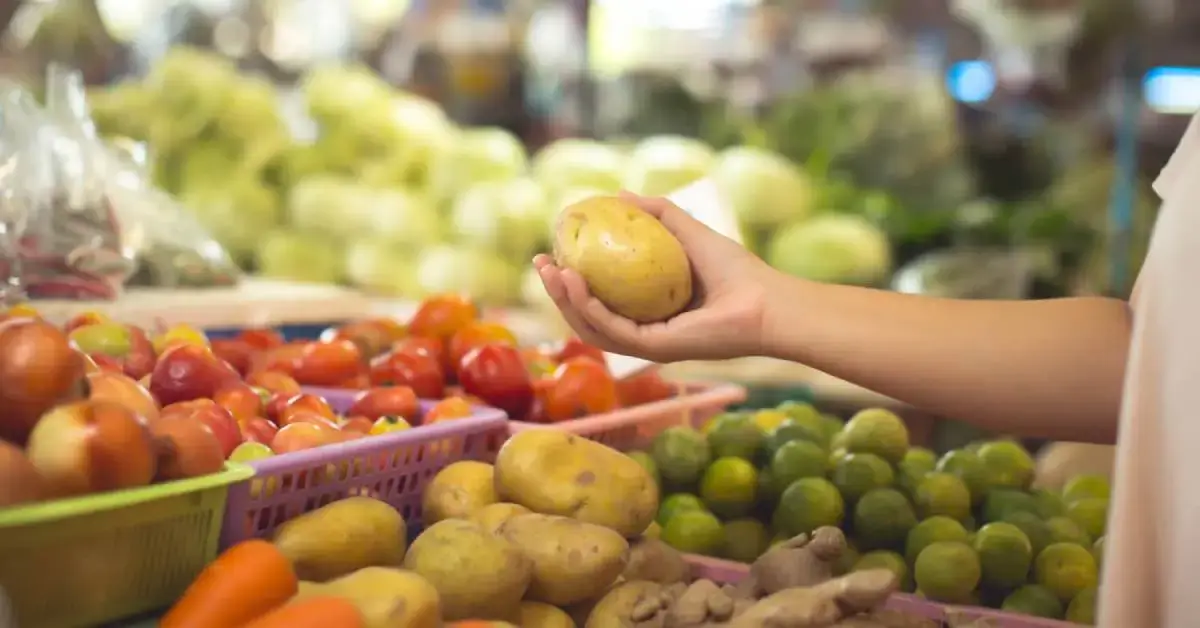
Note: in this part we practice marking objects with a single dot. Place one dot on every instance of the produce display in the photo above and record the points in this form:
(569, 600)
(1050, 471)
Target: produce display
(965, 528)
(559, 532)
(391, 196)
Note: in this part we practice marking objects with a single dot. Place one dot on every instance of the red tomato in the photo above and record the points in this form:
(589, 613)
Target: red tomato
(541, 387)
(645, 387)
(275, 405)
(432, 347)
(474, 335)
(372, 336)
(496, 374)
(448, 409)
(582, 387)
(304, 402)
(274, 381)
(218, 419)
(421, 373)
(441, 316)
(259, 431)
(357, 425)
(240, 400)
(283, 359)
(538, 362)
(385, 401)
(236, 353)
(574, 347)
(328, 363)
(308, 416)
(261, 339)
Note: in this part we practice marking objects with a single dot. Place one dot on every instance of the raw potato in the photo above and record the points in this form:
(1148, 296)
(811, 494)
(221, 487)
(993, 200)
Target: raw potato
(630, 261)
(457, 491)
(343, 537)
(477, 575)
(615, 609)
(386, 598)
(655, 561)
(556, 473)
(539, 615)
(572, 561)
(492, 516)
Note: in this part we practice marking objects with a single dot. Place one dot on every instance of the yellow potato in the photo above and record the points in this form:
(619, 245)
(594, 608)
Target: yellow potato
(492, 516)
(613, 610)
(477, 575)
(386, 598)
(630, 261)
(572, 560)
(457, 491)
(557, 473)
(539, 615)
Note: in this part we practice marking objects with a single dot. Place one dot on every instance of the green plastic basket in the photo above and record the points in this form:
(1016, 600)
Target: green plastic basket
(89, 560)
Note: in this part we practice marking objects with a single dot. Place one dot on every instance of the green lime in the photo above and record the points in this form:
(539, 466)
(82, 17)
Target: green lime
(694, 532)
(1065, 569)
(877, 431)
(1002, 501)
(1082, 609)
(790, 431)
(769, 419)
(805, 415)
(1008, 464)
(1065, 530)
(647, 462)
(947, 571)
(1005, 555)
(767, 493)
(891, 561)
(808, 504)
(1033, 600)
(681, 454)
(1091, 513)
(1085, 486)
(797, 459)
(735, 435)
(883, 519)
(969, 523)
(1048, 503)
(942, 494)
(855, 474)
(1033, 527)
(969, 468)
(677, 503)
(933, 530)
(835, 457)
(1098, 551)
(729, 487)
(919, 458)
(831, 425)
(745, 540)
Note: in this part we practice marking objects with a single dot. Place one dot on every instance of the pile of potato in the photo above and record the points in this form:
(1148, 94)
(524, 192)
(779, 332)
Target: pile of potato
(559, 533)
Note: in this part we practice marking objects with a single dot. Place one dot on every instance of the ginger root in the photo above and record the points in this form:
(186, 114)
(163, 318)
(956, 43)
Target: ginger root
(651, 560)
(802, 561)
(820, 606)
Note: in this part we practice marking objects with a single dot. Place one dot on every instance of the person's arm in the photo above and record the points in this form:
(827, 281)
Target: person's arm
(1049, 368)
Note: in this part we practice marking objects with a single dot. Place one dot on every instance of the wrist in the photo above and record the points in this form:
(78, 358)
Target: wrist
(785, 305)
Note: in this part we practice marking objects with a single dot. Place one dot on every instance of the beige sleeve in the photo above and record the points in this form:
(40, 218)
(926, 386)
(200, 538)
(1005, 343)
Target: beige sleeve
(1186, 156)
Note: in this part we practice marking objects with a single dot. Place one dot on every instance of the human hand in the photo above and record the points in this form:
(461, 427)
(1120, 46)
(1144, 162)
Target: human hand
(725, 317)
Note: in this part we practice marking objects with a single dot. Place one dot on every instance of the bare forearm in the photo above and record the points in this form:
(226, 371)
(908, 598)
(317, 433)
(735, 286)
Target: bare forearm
(1050, 368)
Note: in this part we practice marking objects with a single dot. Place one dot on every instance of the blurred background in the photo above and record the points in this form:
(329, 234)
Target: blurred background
(975, 148)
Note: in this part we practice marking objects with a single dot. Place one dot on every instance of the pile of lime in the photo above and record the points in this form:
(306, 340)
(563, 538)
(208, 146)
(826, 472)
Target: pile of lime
(962, 528)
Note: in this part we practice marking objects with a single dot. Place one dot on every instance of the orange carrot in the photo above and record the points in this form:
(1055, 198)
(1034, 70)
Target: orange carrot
(245, 582)
(315, 612)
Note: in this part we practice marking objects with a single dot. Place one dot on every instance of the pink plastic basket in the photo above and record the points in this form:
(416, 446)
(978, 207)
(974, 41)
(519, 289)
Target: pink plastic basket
(391, 467)
(728, 572)
(631, 428)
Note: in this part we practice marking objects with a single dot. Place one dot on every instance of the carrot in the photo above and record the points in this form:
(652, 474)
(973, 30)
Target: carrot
(315, 612)
(245, 582)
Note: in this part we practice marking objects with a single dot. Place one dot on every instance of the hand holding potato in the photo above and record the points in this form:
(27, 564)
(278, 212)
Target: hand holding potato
(722, 320)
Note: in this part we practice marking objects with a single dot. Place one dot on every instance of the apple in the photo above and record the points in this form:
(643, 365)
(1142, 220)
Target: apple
(179, 335)
(118, 387)
(92, 446)
(250, 451)
(301, 436)
(240, 400)
(126, 344)
(38, 370)
(20, 481)
(186, 372)
(357, 425)
(218, 419)
(274, 381)
(259, 431)
(186, 449)
(389, 424)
